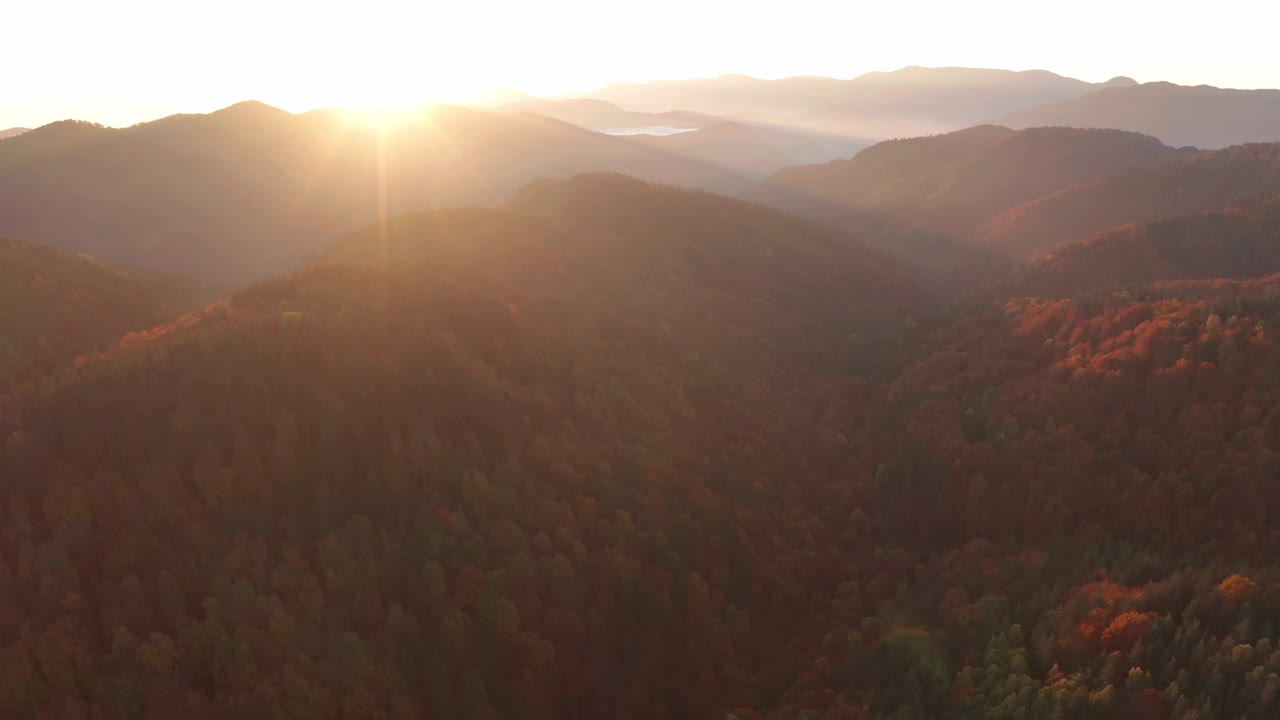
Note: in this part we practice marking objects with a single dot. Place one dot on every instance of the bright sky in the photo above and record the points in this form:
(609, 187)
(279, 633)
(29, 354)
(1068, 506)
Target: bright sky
(132, 60)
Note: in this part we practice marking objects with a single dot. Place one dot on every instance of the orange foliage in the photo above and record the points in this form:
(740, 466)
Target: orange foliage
(1237, 587)
(1107, 591)
(1127, 629)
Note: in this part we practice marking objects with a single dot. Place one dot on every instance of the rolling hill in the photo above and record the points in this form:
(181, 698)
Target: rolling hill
(1202, 116)
(754, 150)
(1090, 482)
(878, 105)
(12, 132)
(948, 185)
(451, 463)
(603, 116)
(1240, 242)
(1194, 182)
(448, 469)
(250, 190)
(924, 101)
(55, 307)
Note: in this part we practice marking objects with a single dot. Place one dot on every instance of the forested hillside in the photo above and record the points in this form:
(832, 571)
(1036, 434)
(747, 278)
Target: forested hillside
(1242, 241)
(473, 463)
(1195, 183)
(433, 384)
(1070, 506)
(625, 450)
(949, 184)
(55, 306)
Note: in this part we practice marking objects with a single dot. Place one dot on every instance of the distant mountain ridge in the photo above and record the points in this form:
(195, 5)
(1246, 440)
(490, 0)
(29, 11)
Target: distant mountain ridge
(878, 105)
(914, 101)
(12, 132)
(1203, 116)
(602, 115)
(950, 184)
(251, 189)
(754, 150)
(730, 94)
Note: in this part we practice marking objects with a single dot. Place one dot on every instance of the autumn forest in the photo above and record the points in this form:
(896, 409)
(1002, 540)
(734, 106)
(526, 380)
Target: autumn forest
(492, 415)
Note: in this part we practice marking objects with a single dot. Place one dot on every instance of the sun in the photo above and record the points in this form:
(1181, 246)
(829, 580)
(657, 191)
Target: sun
(385, 118)
(387, 104)
(386, 91)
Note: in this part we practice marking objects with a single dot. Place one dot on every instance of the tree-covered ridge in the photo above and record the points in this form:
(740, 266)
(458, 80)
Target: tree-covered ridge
(619, 449)
(1242, 241)
(1067, 630)
(1162, 394)
(474, 463)
(1195, 182)
(55, 306)
(950, 184)
(1064, 509)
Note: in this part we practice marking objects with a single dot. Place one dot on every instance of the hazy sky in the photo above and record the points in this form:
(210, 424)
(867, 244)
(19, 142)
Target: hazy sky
(124, 61)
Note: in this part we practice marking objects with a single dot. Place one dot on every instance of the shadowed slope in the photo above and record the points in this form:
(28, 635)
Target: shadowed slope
(55, 306)
(1240, 242)
(948, 184)
(1196, 182)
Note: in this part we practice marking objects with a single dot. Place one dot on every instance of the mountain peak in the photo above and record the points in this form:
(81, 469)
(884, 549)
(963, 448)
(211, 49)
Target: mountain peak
(1120, 81)
(250, 108)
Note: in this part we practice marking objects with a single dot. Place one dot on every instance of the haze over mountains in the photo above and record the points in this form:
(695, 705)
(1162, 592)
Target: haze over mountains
(259, 189)
(951, 183)
(511, 417)
(922, 101)
(1202, 116)
(907, 92)
(605, 116)
(264, 188)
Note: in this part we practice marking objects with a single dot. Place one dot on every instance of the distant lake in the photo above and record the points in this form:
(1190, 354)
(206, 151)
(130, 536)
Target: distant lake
(651, 130)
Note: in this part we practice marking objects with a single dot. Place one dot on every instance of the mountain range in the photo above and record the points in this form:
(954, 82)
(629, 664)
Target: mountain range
(508, 418)
(250, 190)
(1200, 116)
(916, 101)
(605, 116)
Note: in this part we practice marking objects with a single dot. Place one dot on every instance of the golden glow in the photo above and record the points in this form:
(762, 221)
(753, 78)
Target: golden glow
(386, 117)
(127, 61)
